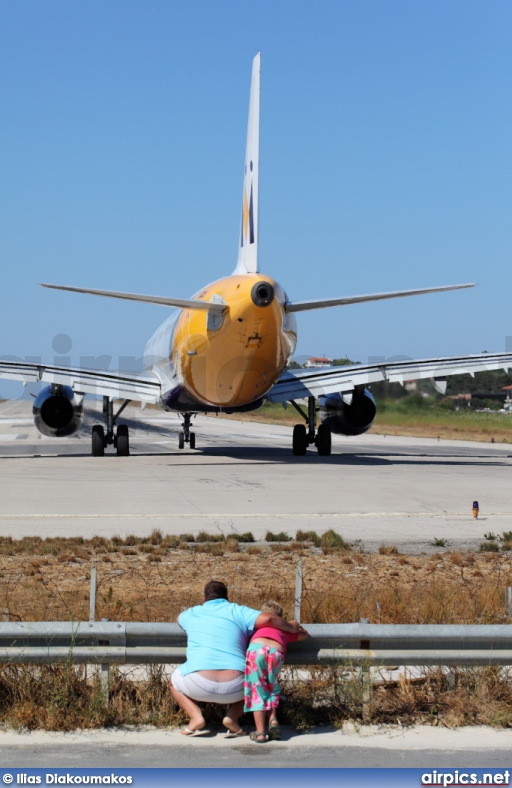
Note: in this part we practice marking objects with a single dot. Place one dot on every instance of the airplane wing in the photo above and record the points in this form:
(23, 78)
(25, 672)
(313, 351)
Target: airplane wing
(316, 382)
(117, 385)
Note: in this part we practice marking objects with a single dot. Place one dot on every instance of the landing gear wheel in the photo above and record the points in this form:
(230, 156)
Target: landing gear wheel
(181, 440)
(192, 440)
(98, 441)
(323, 441)
(300, 440)
(122, 441)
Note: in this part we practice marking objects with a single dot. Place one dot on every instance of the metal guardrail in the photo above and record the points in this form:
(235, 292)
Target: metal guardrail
(108, 643)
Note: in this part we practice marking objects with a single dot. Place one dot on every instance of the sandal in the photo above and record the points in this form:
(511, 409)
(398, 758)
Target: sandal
(233, 734)
(274, 732)
(194, 731)
(258, 737)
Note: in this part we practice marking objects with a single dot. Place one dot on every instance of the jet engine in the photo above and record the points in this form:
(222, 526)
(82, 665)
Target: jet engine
(57, 411)
(349, 414)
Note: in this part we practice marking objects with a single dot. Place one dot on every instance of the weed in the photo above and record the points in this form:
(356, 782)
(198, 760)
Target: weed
(488, 547)
(330, 539)
(390, 549)
(156, 536)
(170, 541)
(439, 542)
(490, 537)
(202, 536)
(308, 536)
(245, 537)
(212, 548)
(270, 536)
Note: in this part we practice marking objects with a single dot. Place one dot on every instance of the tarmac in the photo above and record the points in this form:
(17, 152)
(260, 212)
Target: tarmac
(374, 490)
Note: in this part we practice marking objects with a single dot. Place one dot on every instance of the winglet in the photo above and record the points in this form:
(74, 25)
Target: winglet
(248, 249)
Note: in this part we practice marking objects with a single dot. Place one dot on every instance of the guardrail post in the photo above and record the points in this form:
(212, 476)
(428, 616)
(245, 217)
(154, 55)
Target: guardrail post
(105, 682)
(366, 680)
(298, 590)
(105, 672)
(508, 600)
(92, 595)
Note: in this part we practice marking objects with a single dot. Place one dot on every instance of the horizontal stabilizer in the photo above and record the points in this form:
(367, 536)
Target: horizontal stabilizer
(301, 306)
(182, 303)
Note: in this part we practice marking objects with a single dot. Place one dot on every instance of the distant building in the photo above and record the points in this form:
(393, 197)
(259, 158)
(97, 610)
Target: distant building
(318, 362)
(508, 401)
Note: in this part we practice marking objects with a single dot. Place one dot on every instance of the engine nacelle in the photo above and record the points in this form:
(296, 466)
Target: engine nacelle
(57, 411)
(344, 419)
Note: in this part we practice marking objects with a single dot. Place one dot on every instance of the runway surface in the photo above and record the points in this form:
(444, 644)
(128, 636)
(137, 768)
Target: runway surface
(243, 477)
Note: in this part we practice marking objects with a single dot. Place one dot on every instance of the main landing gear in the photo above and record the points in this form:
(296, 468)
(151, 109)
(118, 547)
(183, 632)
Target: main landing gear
(109, 436)
(303, 437)
(186, 436)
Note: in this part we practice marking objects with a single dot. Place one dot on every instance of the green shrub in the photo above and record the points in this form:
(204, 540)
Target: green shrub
(331, 540)
(489, 547)
(308, 536)
(246, 537)
(202, 536)
(279, 537)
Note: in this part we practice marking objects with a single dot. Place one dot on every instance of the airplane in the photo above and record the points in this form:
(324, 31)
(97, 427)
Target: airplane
(227, 350)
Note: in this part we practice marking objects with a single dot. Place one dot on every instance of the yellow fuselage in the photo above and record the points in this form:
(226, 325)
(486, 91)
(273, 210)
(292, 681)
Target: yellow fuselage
(234, 361)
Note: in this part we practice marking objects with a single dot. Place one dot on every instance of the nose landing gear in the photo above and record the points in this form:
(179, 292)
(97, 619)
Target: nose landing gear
(112, 437)
(303, 437)
(186, 436)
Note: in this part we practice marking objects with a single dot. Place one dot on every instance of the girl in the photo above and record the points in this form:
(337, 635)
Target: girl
(265, 656)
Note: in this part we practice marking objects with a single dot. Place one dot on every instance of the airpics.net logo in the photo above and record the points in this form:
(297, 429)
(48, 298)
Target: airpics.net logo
(456, 778)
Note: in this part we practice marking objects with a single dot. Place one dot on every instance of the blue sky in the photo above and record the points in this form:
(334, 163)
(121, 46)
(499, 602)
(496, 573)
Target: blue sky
(386, 136)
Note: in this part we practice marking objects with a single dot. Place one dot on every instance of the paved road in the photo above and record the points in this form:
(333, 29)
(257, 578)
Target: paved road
(243, 477)
(420, 747)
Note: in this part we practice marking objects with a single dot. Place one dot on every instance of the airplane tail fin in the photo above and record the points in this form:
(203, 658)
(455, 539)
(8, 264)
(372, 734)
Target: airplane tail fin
(248, 249)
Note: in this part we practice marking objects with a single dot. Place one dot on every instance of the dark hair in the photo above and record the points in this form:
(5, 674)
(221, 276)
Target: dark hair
(215, 590)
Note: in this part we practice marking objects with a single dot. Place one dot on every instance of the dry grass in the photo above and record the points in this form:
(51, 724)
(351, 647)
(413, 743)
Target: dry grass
(147, 579)
(66, 697)
(471, 696)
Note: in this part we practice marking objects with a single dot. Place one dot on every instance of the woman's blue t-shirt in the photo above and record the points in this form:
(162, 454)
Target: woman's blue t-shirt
(217, 634)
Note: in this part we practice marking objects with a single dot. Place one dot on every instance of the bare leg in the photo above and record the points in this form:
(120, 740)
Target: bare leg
(260, 718)
(190, 707)
(232, 714)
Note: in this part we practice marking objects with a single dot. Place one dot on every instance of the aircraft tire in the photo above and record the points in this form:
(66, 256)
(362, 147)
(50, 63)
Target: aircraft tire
(181, 440)
(300, 441)
(192, 443)
(323, 441)
(98, 441)
(122, 441)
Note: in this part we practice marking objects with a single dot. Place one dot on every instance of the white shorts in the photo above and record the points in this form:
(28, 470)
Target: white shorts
(198, 688)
